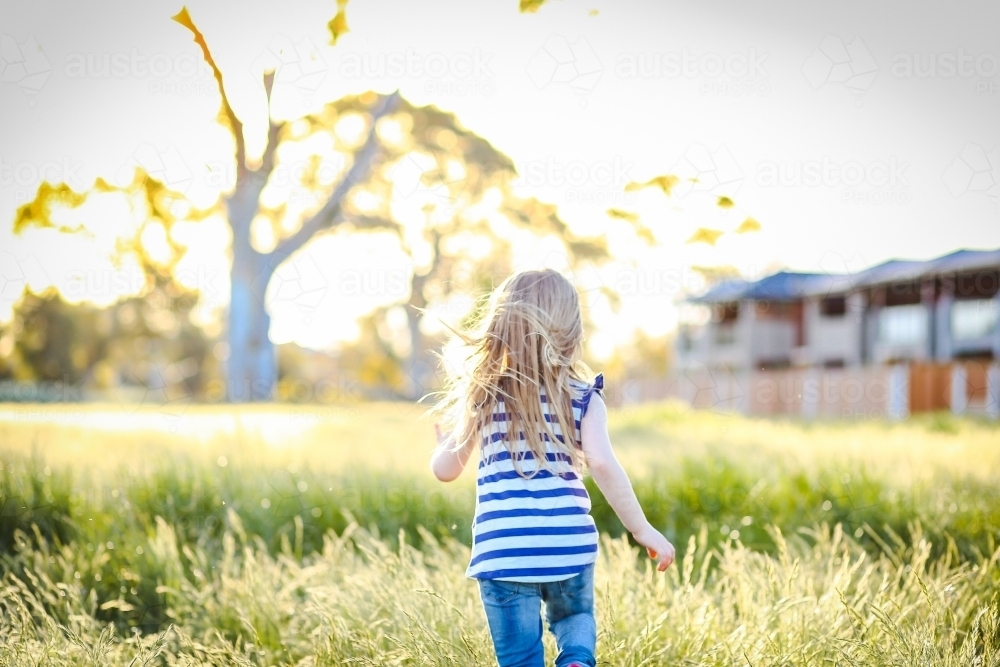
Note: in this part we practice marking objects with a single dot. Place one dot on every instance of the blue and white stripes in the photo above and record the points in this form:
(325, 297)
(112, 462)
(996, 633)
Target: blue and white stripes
(536, 529)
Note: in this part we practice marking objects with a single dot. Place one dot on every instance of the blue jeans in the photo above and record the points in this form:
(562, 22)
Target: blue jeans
(513, 611)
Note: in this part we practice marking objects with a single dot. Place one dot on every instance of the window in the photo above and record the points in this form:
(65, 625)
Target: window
(902, 325)
(725, 334)
(728, 312)
(974, 318)
(833, 306)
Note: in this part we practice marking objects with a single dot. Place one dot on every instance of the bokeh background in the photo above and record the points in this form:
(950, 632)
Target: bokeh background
(220, 306)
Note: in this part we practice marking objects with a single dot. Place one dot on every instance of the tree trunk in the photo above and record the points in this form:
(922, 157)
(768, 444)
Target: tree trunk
(252, 366)
(416, 365)
(251, 369)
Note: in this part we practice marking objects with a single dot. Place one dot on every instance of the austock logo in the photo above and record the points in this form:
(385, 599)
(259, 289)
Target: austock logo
(734, 74)
(24, 65)
(701, 169)
(162, 387)
(297, 282)
(601, 182)
(975, 170)
(26, 176)
(836, 63)
(16, 273)
(453, 73)
(298, 64)
(871, 182)
(175, 74)
(166, 165)
(561, 62)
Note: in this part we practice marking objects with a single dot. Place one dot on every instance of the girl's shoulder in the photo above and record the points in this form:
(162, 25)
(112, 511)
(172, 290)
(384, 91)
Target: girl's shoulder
(597, 384)
(585, 391)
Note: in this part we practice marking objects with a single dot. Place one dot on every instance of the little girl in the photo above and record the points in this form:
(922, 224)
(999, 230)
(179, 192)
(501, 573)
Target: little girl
(533, 538)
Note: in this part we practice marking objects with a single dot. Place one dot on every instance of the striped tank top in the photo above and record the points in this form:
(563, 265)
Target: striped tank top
(537, 529)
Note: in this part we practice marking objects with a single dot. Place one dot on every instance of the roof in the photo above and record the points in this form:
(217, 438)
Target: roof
(966, 260)
(792, 285)
(781, 286)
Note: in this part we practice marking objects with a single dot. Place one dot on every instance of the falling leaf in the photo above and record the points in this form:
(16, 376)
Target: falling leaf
(748, 225)
(531, 5)
(665, 183)
(646, 234)
(705, 235)
(593, 12)
(623, 215)
(724, 202)
(338, 24)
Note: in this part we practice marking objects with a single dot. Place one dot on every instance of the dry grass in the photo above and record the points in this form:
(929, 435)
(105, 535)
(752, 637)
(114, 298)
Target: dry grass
(160, 538)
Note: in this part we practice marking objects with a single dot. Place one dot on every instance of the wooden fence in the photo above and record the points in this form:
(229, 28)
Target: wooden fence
(870, 392)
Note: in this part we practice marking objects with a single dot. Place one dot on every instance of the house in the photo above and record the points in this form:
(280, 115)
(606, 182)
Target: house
(939, 317)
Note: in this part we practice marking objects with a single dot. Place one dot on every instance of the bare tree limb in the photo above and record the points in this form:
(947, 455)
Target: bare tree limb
(226, 112)
(368, 222)
(273, 129)
(330, 214)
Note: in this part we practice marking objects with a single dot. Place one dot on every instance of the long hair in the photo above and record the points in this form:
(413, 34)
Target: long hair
(529, 339)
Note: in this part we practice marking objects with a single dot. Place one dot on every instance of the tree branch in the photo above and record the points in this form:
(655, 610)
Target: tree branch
(226, 112)
(368, 222)
(273, 129)
(330, 214)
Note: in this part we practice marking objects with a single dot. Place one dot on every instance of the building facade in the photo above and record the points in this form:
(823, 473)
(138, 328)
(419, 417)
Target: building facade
(905, 319)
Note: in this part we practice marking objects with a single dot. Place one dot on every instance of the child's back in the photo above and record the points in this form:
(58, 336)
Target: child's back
(533, 525)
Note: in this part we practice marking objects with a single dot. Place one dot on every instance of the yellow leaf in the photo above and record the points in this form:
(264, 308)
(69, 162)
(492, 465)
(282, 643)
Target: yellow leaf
(623, 215)
(705, 235)
(593, 12)
(748, 225)
(531, 6)
(665, 183)
(725, 202)
(338, 24)
(646, 234)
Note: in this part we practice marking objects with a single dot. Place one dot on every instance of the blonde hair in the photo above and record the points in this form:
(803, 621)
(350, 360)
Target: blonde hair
(530, 338)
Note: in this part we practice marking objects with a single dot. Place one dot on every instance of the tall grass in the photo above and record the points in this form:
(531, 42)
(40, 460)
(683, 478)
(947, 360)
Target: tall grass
(281, 536)
(817, 601)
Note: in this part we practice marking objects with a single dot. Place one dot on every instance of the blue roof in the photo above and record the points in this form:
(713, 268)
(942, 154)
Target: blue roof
(727, 290)
(966, 260)
(895, 270)
(791, 285)
(781, 286)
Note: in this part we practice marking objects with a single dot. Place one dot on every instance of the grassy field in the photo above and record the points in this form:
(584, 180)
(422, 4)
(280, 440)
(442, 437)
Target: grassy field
(300, 535)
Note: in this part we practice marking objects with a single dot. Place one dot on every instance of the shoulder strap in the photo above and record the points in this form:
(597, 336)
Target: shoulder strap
(597, 387)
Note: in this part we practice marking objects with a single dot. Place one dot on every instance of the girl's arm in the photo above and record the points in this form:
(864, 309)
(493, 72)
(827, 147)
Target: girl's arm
(446, 462)
(615, 485)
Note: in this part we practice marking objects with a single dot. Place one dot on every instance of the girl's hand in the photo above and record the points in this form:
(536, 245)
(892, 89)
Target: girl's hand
(657, 546)
(446, 461)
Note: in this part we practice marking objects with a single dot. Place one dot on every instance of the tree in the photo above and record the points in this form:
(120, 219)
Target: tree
(467, 253)
(389, 135)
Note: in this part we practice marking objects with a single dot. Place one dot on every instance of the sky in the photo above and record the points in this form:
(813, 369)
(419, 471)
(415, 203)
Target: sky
(854, 132)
